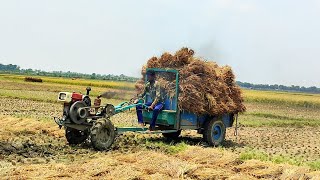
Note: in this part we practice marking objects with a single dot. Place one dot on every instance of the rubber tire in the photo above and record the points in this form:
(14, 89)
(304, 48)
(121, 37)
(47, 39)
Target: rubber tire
(75, 136)
(208, 132)
(173, 135)
(102, 134)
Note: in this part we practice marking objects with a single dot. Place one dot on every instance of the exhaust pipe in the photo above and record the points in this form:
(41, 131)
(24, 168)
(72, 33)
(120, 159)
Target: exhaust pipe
(88, 90)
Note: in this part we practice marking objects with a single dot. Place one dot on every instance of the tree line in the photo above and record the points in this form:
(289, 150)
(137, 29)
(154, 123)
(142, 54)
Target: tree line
(15, 69)
(276, 87)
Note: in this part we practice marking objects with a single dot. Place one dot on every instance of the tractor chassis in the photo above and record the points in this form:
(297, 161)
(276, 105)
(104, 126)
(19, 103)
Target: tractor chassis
(118, 130)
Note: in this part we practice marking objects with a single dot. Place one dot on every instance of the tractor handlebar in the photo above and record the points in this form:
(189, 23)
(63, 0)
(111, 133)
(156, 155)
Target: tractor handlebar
(128, 105)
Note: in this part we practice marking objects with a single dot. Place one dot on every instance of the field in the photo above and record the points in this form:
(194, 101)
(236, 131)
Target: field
(278, 139)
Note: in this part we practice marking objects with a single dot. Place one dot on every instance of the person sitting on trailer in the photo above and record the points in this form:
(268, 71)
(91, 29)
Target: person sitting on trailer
(152, 88)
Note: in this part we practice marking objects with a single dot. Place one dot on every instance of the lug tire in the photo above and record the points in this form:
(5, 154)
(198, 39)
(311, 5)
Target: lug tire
(214, 132)
(102, 134)
(75, 136)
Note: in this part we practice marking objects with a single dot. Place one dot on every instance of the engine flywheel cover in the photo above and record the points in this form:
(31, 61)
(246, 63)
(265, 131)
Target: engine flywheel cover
(110, 110)
(75, 110)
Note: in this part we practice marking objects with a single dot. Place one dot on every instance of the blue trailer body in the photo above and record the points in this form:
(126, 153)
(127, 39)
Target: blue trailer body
(183, 120)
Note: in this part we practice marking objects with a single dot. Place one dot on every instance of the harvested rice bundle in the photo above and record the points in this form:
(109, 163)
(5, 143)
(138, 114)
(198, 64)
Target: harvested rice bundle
(153, 63)
(204, 87)
(139, 86)
(166, 60)
(167, 86)
(33, 79)
(181, 58)
(234, 89)
(191, 97)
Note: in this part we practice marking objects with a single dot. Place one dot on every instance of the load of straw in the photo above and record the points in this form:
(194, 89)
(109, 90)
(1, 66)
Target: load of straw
(33, 79)
(204, 87)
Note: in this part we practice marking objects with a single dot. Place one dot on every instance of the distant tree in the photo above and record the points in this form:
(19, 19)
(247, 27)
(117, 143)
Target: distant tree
(93, 76)
(9, 67)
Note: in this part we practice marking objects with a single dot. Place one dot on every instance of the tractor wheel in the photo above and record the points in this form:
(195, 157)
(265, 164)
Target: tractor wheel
(214, 132)
(172, 135)
(75, 136)
(102, 134)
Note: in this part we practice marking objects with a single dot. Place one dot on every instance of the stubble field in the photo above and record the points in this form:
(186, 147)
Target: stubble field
(279, 137)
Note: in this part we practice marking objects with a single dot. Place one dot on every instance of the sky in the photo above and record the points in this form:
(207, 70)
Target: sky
(266, 42)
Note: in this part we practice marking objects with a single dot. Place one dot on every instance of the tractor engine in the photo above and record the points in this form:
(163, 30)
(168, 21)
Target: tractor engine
(76, 106)
(81, 120)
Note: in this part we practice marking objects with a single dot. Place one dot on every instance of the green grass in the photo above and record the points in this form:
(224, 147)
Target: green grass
(283, 98)
(250, 154)
(273, 116)
(259, 119)
(277, 123)
(315, 165)
(129, 141)
(41, 96)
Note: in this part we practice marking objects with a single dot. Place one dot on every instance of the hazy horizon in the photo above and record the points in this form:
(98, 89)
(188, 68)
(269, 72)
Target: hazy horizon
(265, 42)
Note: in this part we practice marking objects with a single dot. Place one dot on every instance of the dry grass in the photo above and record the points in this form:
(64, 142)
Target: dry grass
(283, 98)
(82, 82)
(58, 160)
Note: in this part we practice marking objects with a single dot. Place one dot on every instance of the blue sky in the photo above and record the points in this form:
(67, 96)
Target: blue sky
(267, 41)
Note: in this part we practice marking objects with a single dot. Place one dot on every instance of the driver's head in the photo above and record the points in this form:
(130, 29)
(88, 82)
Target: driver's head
(151, 76)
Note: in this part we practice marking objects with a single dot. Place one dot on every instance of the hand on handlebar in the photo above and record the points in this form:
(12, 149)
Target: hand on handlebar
(136, 101)
(150, 108)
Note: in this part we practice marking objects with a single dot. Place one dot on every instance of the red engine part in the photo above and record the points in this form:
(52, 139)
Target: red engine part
(76, 97)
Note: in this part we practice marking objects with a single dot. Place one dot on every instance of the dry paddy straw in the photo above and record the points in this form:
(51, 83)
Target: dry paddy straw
(204, 87)
(67, 162)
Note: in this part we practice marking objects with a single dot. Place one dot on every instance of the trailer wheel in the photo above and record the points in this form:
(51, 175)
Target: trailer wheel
(214, 132)
(75, 136)
(102, 134)
(172, 135)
